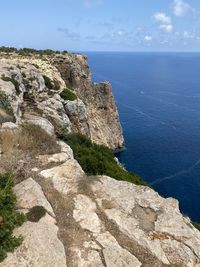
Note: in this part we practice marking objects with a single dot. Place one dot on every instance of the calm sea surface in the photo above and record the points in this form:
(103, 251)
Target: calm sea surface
(158, 97)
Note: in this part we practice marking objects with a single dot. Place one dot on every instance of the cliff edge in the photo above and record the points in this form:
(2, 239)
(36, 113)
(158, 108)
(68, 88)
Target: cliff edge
(36, 82)
(76, 218)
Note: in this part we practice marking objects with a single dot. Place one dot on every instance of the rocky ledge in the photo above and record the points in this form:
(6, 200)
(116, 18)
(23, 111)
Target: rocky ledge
(98, 221)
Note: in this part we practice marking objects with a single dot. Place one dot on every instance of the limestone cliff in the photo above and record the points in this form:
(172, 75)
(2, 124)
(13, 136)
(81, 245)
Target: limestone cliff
(94, 113)
(87, 221)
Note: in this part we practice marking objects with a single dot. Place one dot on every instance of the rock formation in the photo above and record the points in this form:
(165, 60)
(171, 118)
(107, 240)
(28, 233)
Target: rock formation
(77, 220)
(94, 113)
(98, 221)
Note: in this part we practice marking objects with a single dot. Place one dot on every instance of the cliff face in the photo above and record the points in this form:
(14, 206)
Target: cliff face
(102, 114)
(94, 113)
(87, 220)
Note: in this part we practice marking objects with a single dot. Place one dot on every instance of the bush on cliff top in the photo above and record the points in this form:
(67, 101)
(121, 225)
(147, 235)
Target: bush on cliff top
(98, 159)
(27, 51)
(9, 217)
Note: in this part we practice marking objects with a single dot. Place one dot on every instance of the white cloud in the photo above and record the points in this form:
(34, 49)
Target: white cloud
(167, 28)
(165, 22)
(162, 18)
(181, 8)
(148, 38)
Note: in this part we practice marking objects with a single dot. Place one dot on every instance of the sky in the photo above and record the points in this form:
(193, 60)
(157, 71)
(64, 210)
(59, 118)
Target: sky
(101, 25)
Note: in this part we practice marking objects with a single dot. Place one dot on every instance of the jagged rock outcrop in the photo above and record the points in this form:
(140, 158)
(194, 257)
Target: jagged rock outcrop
(33, 85)
(100, 222)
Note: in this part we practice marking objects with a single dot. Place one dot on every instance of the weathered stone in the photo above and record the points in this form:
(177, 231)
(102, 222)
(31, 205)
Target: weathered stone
(66, 149)
(9, 125)
(41, 246)
(29, 194)
(85, 214)
(76, 111)
(55, 158)
(42, 122)
(114, 254)
(65, 177)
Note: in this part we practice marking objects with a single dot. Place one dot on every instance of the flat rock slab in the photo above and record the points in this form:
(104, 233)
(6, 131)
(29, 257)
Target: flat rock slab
(40, 248)
(29, 194)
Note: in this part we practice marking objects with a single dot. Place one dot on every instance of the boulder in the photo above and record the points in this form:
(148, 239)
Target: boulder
(40, 121)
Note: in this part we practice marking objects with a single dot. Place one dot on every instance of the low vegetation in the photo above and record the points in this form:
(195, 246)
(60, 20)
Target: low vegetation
(67, 94)
(9, 217)
(52, 85)
(28, 51)
(97, 159)
(30, 139)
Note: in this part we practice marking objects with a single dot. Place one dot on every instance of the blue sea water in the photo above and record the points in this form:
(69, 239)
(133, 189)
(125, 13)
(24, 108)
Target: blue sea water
(158, 97)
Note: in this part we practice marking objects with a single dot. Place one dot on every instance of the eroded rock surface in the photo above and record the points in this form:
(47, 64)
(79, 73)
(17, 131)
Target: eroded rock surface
(98, 221)
(121, 224)
(25, 81)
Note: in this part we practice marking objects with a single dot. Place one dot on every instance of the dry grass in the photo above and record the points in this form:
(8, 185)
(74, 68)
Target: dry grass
(20, 147)
(19, 164)
(9, 140)
(30, 139)
(35, 140)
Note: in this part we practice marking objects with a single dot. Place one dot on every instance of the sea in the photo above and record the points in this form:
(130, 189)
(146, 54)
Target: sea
(158, 98)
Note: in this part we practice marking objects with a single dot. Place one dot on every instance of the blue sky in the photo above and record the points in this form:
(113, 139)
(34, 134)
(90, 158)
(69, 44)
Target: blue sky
(101, 25)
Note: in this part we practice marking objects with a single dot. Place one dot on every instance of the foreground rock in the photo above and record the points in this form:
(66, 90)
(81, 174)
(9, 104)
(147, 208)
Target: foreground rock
(121, 224)
(98, 221)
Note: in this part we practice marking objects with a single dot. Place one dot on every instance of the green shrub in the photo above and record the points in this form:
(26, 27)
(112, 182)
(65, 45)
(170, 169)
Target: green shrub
(10, 218)
(97, 159)
(50, 84)
(8, 49)
(13, 81)
(28, 51)
(67, 94)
